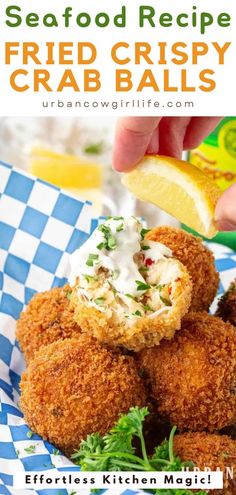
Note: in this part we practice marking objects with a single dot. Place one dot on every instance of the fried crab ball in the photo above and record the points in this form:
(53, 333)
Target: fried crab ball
(127, 290)
(192, 378)
(75, 387)
(198, 260)
(47, 318)
(230, 431)
(227, 304)
(210, 451)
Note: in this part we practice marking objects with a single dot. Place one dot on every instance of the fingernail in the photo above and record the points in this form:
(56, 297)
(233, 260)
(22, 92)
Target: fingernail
(116, 165)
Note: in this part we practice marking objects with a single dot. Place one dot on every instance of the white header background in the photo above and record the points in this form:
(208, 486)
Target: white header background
(221, 101)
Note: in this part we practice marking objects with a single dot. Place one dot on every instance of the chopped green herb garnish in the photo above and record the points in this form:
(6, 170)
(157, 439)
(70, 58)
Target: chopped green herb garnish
(29, 433)
(94, 149)
(68, 295)
(144, 232)
(104, 229)
(118, 451)
(89, 262)
(30, 449)
(120, 228)
(89, 278)
(130, 296)
(160, 286)
(111, 242)
(117, 218)
(17, 452)
(148, 308)
(142, 286)
(91, 259)
(56, 452)
(99, 301)
(145, 248)
(101, 246)
(137, 313)
(115, 274)
(167, 302)
(143, 269)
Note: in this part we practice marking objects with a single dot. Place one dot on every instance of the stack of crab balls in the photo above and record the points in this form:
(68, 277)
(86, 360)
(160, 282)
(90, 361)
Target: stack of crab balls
(74, 386)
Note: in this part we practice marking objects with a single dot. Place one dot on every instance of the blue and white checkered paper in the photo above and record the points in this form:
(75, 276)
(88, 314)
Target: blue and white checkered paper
(40, 225)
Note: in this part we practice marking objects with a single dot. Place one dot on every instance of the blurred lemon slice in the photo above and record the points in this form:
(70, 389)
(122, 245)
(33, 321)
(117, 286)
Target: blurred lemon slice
(77, 175)
(67, 171)
(177, 187)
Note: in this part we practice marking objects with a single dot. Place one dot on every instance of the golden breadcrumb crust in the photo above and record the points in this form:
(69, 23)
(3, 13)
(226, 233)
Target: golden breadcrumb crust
(193, 377)
(146, 331)
(227, 304)
(198, 260)
(75, 387)
(47, 318)
(217, 452)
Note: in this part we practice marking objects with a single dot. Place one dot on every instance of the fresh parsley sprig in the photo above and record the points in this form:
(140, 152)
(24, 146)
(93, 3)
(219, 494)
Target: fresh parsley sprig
(116, 452)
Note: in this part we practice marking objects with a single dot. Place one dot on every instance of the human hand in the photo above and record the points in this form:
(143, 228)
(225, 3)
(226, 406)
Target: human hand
(225, 213)
(137, 136)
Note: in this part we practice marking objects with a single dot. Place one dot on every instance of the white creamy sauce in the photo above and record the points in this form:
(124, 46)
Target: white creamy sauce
(157, 251)
(120, 260)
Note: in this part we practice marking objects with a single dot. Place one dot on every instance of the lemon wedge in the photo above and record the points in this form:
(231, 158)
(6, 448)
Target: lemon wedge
(79, 176)
(177, 187)
(64, 170)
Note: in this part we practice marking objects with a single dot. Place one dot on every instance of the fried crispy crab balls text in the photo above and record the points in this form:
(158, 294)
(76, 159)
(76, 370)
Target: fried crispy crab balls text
(209, 451)
(193, 376)
(76, 387)
(198, 260)
(47, 318)
(126, 290)
(227, 304)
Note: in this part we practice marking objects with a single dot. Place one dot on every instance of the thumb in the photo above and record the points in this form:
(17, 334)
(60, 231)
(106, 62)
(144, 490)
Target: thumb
(133, 135)
(225, 213)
